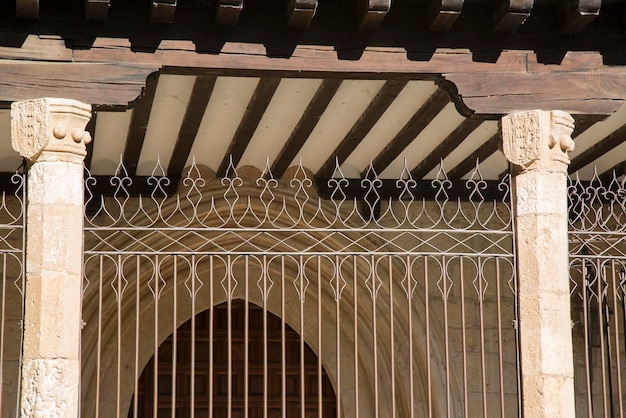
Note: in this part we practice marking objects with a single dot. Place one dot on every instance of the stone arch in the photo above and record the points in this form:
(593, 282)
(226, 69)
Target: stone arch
(108, 387)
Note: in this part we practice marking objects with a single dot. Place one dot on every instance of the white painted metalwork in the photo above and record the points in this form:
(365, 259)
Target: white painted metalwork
(597, 235)
(329, 307)
(12, 233)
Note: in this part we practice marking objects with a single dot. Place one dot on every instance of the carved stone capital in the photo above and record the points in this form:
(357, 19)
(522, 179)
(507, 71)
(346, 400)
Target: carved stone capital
(537, 139)
(50, 129)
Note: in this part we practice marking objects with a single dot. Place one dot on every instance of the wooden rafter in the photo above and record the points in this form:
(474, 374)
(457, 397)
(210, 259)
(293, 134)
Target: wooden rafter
(574, 15)
(442, 14)
(139, 125)
(228, 11)
(163, 11)
(584, 122)
(27, 9)
(198, 102)
(377, 107)
(261, 99)
(305, 126)
(510, 14)
(300, 13)
(446, 146)
(597, 150)
(371, 13)
(411, 129)
(97, 9)
(480, 154)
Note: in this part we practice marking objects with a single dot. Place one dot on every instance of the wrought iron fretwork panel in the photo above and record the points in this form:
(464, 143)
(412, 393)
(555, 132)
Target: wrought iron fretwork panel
(597, 237)
(408, 305)
(12, 247)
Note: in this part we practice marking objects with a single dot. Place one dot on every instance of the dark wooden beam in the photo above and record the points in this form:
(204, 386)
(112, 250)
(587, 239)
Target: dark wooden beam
(377, 107)
(607, 144)
(198, 102)
(27, 9)
(510, 14)
(411, 129)
(371, 13)
(441, 14)
(139, 125)
(227, 12)
(91, 128)
(446, 146)
(481, 154)
(305, 126)
(584, 122)
(97, 9)
(163, 11)
(616, 172)
(574, 15)
(300, 13)
(261, 99)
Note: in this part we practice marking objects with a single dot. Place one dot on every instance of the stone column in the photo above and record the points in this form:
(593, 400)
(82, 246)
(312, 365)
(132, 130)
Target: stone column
(50, 134)
(536, 144)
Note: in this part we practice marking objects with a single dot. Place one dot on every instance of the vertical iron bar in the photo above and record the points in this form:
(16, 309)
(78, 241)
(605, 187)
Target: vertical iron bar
(99, 342)
(428, 369)
(375, 336)
(482, 333)
(338, 336)
(175, 335)
(391, 342)
(265, 297)
(618, 368)
(211, 322)
(192, 384)
(229, 322)
(246, 338)
(356, 335)
(600, 292)
(119, 343)
(500, 354)
(586, 335)
(282, 338)
(302, 388)
(319, 338)
(444, 274)
(409, 295)
(2, 322)
(155, 385)
(137, 328)
(463, 337)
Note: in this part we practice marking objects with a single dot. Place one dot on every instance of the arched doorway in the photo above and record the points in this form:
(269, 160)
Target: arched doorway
(276, 372)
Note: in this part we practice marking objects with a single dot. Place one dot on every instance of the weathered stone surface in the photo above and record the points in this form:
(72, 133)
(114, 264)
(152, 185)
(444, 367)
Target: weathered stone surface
(536, 144)
(50, 134)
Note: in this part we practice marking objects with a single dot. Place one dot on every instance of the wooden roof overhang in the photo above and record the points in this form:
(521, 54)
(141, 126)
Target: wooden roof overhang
(423, 81)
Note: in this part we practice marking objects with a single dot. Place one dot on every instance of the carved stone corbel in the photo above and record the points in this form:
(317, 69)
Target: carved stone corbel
(50, 129)
(537, 139)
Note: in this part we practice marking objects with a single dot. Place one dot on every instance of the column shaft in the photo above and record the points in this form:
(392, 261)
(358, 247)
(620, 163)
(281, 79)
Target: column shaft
(50, 134)
(536, 143)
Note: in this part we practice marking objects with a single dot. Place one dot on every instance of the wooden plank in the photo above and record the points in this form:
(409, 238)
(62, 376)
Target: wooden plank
(163, 11)
(300, 13)
(27, 9)
(377, 107)
(441, 14)
(446, 146)
(480, 154)
(259, 102)
(509, 15)
(198, 102)
(411, 129)
(91, 128)
(584, 122)
(139, 125)
(227, 12)
(311, 116)
(371, 13)
(575, 15)
(598, 149)
(97, 9)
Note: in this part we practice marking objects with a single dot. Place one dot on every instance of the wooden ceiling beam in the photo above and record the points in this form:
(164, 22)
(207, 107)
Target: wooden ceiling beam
(424, 115)
(257, 106)
(314, 111)
(139, 125)
(227, 12)
(196, 107)
(510, 14)
(441, 14)
(597, 150)
(374, 111)
(163, 11)
(574, 15)
(481, 154)
(27, 9)
(300, 13)
(446, 146)
(97, 9)
(371, 13)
